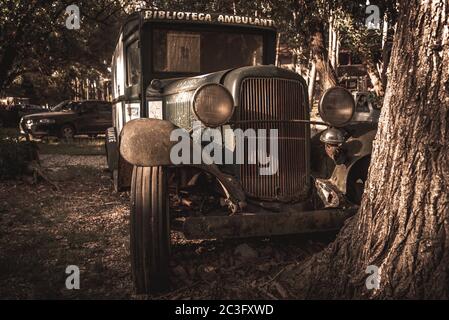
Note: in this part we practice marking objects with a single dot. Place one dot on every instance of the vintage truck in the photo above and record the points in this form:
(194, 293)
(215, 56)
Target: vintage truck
(172, 70)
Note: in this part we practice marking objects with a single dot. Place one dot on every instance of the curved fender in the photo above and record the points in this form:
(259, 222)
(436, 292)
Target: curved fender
(146, 142)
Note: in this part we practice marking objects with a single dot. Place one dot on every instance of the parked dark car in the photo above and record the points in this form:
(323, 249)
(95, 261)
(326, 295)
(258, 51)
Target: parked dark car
(68, 119)
(10, 115)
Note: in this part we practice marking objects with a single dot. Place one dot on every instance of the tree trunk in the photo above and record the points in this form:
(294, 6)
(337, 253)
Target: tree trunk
(402, 226)
(7, 60)
(328, 78)
(375, 78)
(385, 63)
(334, 54)
(312, 80)
(278, 50)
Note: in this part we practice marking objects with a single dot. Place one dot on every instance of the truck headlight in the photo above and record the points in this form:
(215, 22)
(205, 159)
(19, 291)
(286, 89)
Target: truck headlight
(213, 105)
(337, 106)
(46, 121)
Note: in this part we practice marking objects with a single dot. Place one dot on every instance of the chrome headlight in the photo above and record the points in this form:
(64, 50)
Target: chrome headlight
(213, 105)
(47, 121)
(337, 106)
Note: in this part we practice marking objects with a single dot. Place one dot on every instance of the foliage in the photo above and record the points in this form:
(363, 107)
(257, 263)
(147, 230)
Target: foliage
(364, 42)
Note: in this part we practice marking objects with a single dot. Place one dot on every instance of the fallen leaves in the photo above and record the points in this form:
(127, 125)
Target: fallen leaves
(86, 224)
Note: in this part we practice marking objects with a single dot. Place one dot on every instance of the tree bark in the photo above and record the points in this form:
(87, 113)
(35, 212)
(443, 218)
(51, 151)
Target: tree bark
(402, 226)
(328, 77)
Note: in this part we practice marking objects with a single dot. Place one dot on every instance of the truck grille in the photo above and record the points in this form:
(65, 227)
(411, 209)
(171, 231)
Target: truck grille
(269, 99)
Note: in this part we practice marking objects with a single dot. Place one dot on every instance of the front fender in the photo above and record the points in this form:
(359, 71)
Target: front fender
(146, 142)
(357, 148)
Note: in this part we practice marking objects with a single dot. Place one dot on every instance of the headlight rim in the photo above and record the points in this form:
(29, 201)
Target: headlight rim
(320, 107)
(195, 94)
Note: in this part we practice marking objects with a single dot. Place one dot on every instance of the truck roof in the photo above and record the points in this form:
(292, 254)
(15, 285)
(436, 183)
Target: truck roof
(204, 18)
(207, 18)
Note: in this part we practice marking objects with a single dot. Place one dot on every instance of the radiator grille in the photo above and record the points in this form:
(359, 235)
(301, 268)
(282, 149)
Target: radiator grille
(277, 99)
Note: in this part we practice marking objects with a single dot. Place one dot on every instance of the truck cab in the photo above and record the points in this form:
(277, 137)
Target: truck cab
(179, 77)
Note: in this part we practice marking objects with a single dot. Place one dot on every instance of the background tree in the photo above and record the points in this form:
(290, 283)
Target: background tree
(22, 25)
(36, 47)
(403, 223)
(370, 45)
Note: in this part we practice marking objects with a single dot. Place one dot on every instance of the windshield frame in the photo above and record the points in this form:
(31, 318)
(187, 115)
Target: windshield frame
(268, 38)
(60, 105)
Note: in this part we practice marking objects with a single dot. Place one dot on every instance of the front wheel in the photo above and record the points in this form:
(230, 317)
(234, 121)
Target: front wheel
(67, 132)
(150, 230)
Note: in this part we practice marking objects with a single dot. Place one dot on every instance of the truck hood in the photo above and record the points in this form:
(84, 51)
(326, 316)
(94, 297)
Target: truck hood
(230, 78)
(175, 85)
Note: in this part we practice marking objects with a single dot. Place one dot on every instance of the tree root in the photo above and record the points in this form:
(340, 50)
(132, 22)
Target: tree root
(35, 170)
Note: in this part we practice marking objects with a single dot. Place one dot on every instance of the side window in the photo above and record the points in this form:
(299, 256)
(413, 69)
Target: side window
(105, 108)
(132, 64)
(75, 106)
(88, 107)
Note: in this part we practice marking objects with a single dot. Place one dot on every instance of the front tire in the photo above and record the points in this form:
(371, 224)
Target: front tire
(150, 230)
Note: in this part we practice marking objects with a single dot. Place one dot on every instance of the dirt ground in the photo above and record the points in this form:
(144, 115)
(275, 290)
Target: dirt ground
(84, 223)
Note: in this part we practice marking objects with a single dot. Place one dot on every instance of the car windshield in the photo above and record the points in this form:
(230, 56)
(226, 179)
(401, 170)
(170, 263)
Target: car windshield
(204, 52)
(63, 106)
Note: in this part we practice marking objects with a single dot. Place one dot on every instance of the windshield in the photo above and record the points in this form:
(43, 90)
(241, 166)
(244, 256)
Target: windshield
(204, 52)
(63, 106)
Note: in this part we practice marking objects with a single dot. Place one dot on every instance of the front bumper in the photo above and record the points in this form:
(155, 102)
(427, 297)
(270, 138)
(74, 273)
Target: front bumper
(34, 129)
(246, 225)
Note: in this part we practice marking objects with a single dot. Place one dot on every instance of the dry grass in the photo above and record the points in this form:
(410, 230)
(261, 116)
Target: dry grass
(42, 231)
(78, 146)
